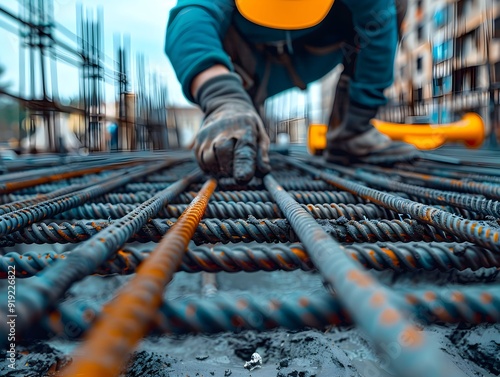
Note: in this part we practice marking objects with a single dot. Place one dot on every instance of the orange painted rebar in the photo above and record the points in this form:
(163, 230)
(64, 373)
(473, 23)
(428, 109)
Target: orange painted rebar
(126, 319)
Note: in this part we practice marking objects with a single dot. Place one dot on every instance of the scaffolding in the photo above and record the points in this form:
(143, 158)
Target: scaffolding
(141, 117)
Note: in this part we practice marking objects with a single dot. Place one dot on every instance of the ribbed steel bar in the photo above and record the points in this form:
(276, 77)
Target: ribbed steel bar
(238, 230)
(299, 184)
(60, 168)
(234, 210)
(269, 257)
(460, 185)
(475, 203)
(129, 188)
(39, 293)
(486, 163)
(371, 306)
(58, 174)
(295, 311)
(448, 173)
(303, 197)
(20, 204)
(447, 304)
(480, 233)
(16, 220)
(34, 165)
(128, 317)
(464, 167)
(47, 188)
(288, 257)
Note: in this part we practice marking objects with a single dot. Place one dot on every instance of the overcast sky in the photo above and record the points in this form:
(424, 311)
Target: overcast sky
(144, 20)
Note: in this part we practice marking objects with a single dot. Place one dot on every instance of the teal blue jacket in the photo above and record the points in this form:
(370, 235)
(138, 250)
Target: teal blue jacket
(196, 29)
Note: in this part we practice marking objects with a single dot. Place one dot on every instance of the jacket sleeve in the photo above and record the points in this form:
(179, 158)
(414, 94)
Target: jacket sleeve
(194, 37)
(376, 28)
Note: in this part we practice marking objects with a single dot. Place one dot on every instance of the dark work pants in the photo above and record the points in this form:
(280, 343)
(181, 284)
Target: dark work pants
(341, 100)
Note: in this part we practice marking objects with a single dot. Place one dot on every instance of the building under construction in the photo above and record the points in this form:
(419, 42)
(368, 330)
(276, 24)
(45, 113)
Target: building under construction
(120, 257)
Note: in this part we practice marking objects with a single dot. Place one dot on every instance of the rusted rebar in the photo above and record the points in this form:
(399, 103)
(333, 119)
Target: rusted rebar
(129, 316)
(461, 185)
(260, 210)
(238, 230)
(57, 175)
(480, 233)
(223, 312)
(399, 257)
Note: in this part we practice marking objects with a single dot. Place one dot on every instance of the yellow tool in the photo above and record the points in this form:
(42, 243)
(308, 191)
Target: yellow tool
(469, 131)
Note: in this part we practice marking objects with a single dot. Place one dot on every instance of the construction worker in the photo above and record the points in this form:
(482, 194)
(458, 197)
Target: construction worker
(230, 55)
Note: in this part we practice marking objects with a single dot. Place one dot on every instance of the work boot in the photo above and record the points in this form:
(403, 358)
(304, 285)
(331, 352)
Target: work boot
(356, 140)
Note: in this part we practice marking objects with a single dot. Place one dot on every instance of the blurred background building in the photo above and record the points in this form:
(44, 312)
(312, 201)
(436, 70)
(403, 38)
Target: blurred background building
(448, 63)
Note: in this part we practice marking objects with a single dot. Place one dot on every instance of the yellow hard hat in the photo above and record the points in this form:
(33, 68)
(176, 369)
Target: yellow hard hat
(285, 14)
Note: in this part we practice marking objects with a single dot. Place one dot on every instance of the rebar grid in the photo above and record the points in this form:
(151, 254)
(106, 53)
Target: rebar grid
(439, 230)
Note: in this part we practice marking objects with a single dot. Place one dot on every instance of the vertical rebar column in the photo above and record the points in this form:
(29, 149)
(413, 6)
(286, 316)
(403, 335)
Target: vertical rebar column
(129, 316)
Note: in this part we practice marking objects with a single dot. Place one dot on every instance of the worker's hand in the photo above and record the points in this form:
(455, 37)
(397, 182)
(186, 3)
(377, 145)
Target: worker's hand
(232, 141)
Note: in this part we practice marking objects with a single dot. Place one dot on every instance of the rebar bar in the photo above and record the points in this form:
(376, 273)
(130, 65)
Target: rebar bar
(473, 203)
(233, 210)
(296, 311)
(127, 318)
(476, 304)
(47, 188)
(58, 174)
(461, 185)
(238, 230)
(448, 173)
(287, 257)
(42, 291)
(303, 197)
(16, 205)
(462, 167)
(16, 220)
(297, 184)
(371, 305)
(480, 233)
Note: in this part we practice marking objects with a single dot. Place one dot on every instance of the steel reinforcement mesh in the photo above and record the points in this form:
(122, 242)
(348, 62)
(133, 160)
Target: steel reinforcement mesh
(150, 215)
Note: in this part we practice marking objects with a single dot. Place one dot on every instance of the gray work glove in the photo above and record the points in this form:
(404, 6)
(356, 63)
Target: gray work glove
(232, 141)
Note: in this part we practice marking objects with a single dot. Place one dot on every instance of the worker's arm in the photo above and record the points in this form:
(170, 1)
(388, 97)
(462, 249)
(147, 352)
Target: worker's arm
(232, 140)
(194, 38)
(376, 26)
